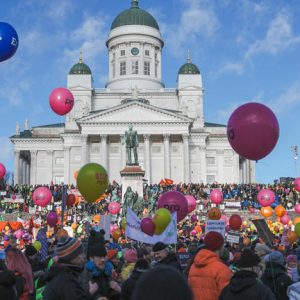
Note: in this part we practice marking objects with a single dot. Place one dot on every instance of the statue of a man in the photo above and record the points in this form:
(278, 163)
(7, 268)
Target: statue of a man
(128, 200)
(131, 142)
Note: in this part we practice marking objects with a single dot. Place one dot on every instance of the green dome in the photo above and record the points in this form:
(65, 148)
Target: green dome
(80, 68)
(189, 68)
(134, 16)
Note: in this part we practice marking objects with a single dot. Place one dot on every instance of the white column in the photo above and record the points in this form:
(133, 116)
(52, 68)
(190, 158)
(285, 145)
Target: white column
(27, 173)
(147, 157)
(66, 164)
(50, 165)
(23, 164)
(186, 158)
(167, 156)
(33, 163)
(123, 152)
(17, 166)
(220, 154)
(104, 158)
(84, 148)
(203, 173)
(244, 171)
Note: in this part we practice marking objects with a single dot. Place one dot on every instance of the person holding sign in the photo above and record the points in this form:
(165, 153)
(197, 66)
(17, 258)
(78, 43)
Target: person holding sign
(208, 275)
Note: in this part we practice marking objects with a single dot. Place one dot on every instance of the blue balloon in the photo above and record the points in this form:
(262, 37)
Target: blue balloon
(9, 41)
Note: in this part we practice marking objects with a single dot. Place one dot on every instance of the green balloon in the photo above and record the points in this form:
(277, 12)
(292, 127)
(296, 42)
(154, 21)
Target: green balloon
(92, 181)
(161, 220)
(123, 223)
(297, 229)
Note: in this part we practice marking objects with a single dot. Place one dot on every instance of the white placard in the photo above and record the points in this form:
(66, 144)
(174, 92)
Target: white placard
(215, 225)
(233, 237)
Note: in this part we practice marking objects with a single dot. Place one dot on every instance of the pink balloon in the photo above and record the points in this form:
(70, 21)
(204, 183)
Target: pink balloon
(252, 210)
(14, 197)
(253, 130)
(194, 218)
(227, 227)
(297, 184)
(265, 197)
(225, 219)
(297, 208)
(148, 226)
(19, 233)
(114, 208)
(2, 171)
(42, 196)
(52, 219)
(216, 196)
(61, 101)
(285, 219)
(191, 201)
(174, 202)
(193, 232)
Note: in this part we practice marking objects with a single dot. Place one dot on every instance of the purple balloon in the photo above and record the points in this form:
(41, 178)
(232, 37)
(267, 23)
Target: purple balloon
(191, 203)
(194, 218)
(148, 226)
(174, 202)
(253, 130)
(52, 219)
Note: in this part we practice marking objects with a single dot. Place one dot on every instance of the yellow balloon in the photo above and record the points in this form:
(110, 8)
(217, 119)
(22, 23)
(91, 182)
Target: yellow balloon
(37, 245)
(161, 220)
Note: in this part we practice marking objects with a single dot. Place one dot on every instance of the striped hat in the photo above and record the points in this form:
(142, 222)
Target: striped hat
(68, 248)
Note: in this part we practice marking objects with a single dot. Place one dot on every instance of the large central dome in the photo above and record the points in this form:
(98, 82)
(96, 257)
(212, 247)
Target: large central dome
(134, 16)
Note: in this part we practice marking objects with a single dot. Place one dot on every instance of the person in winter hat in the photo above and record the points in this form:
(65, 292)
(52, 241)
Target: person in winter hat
(128, 286)
(163, 256)
(98, 272)
(291, 266)
(275, 275)
(294, 289)
(244, 284)
(63, 277)
(208, 275)
(130, 257)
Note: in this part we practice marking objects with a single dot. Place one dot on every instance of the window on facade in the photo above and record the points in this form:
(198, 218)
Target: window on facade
(155, 55)
(123, 68)
(147, 53)
(113, 70)
(122, 52)
(211, 179)
(146, 68)
(210, 160)
(114, 56)
(156, 69)
(59, 160)
(59, 179)
(135, 67)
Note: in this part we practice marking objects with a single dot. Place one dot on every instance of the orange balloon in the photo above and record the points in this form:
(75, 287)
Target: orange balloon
(75, 175)
(246, 241)
(74, 226)
(214, 214)
(266, 211)
(117, 233)
(279, 211)
(296, 220)
(96, 218)
(198, 228)
(292, 236)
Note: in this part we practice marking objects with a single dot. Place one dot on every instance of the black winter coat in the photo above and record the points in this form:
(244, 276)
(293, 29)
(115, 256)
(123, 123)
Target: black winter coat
(245, 285)
(63, 283)
(171, 260)
(129, 284)
(7, 285)
(276, 278)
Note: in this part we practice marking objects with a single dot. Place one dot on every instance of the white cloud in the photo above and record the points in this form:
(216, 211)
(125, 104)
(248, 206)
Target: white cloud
(231, 67)
(278, 38)
(59, 8)
(287, 100)
(6, 149)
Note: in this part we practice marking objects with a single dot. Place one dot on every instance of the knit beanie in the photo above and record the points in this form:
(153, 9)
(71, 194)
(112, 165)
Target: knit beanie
(291, 258)
(97, 250)
(159, 246)
(68, 248)
(130, 256)
(213, 241)
(275, 257)
(248, 259)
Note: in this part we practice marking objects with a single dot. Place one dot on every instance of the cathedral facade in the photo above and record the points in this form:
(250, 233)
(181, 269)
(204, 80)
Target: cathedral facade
(175, 141)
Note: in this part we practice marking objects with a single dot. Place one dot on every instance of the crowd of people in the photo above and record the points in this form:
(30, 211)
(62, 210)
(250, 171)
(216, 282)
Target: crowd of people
(89, 264)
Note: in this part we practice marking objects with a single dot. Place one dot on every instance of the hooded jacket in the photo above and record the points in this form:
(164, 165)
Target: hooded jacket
(276, 278)
(294, 291)
(245, 285)
(63, 283)
(171, 260)
(208, 275)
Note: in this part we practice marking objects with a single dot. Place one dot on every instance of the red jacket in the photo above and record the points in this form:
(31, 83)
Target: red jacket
(208, 276)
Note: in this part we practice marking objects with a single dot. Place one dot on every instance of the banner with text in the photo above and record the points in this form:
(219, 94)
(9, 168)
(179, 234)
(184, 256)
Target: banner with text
(215, 225)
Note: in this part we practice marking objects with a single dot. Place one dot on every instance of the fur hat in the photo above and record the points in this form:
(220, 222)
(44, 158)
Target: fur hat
(213, 241)
(130, 256)
(248, 259)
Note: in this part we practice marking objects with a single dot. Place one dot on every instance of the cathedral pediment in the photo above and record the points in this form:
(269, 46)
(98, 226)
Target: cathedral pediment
(134, 112)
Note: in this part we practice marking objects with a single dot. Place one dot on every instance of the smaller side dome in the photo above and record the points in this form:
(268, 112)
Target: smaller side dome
(80, 68)
(189, 68)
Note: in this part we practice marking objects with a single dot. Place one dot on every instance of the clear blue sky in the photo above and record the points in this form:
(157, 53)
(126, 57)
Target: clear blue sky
(246, 50)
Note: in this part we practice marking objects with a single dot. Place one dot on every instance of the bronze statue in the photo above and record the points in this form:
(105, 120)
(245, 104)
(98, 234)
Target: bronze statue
(132, 143)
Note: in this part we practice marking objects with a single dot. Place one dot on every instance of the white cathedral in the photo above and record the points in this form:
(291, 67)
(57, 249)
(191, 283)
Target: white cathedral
(174, 140)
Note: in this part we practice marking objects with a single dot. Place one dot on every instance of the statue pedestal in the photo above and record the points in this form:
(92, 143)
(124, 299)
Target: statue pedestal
(132, 176)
